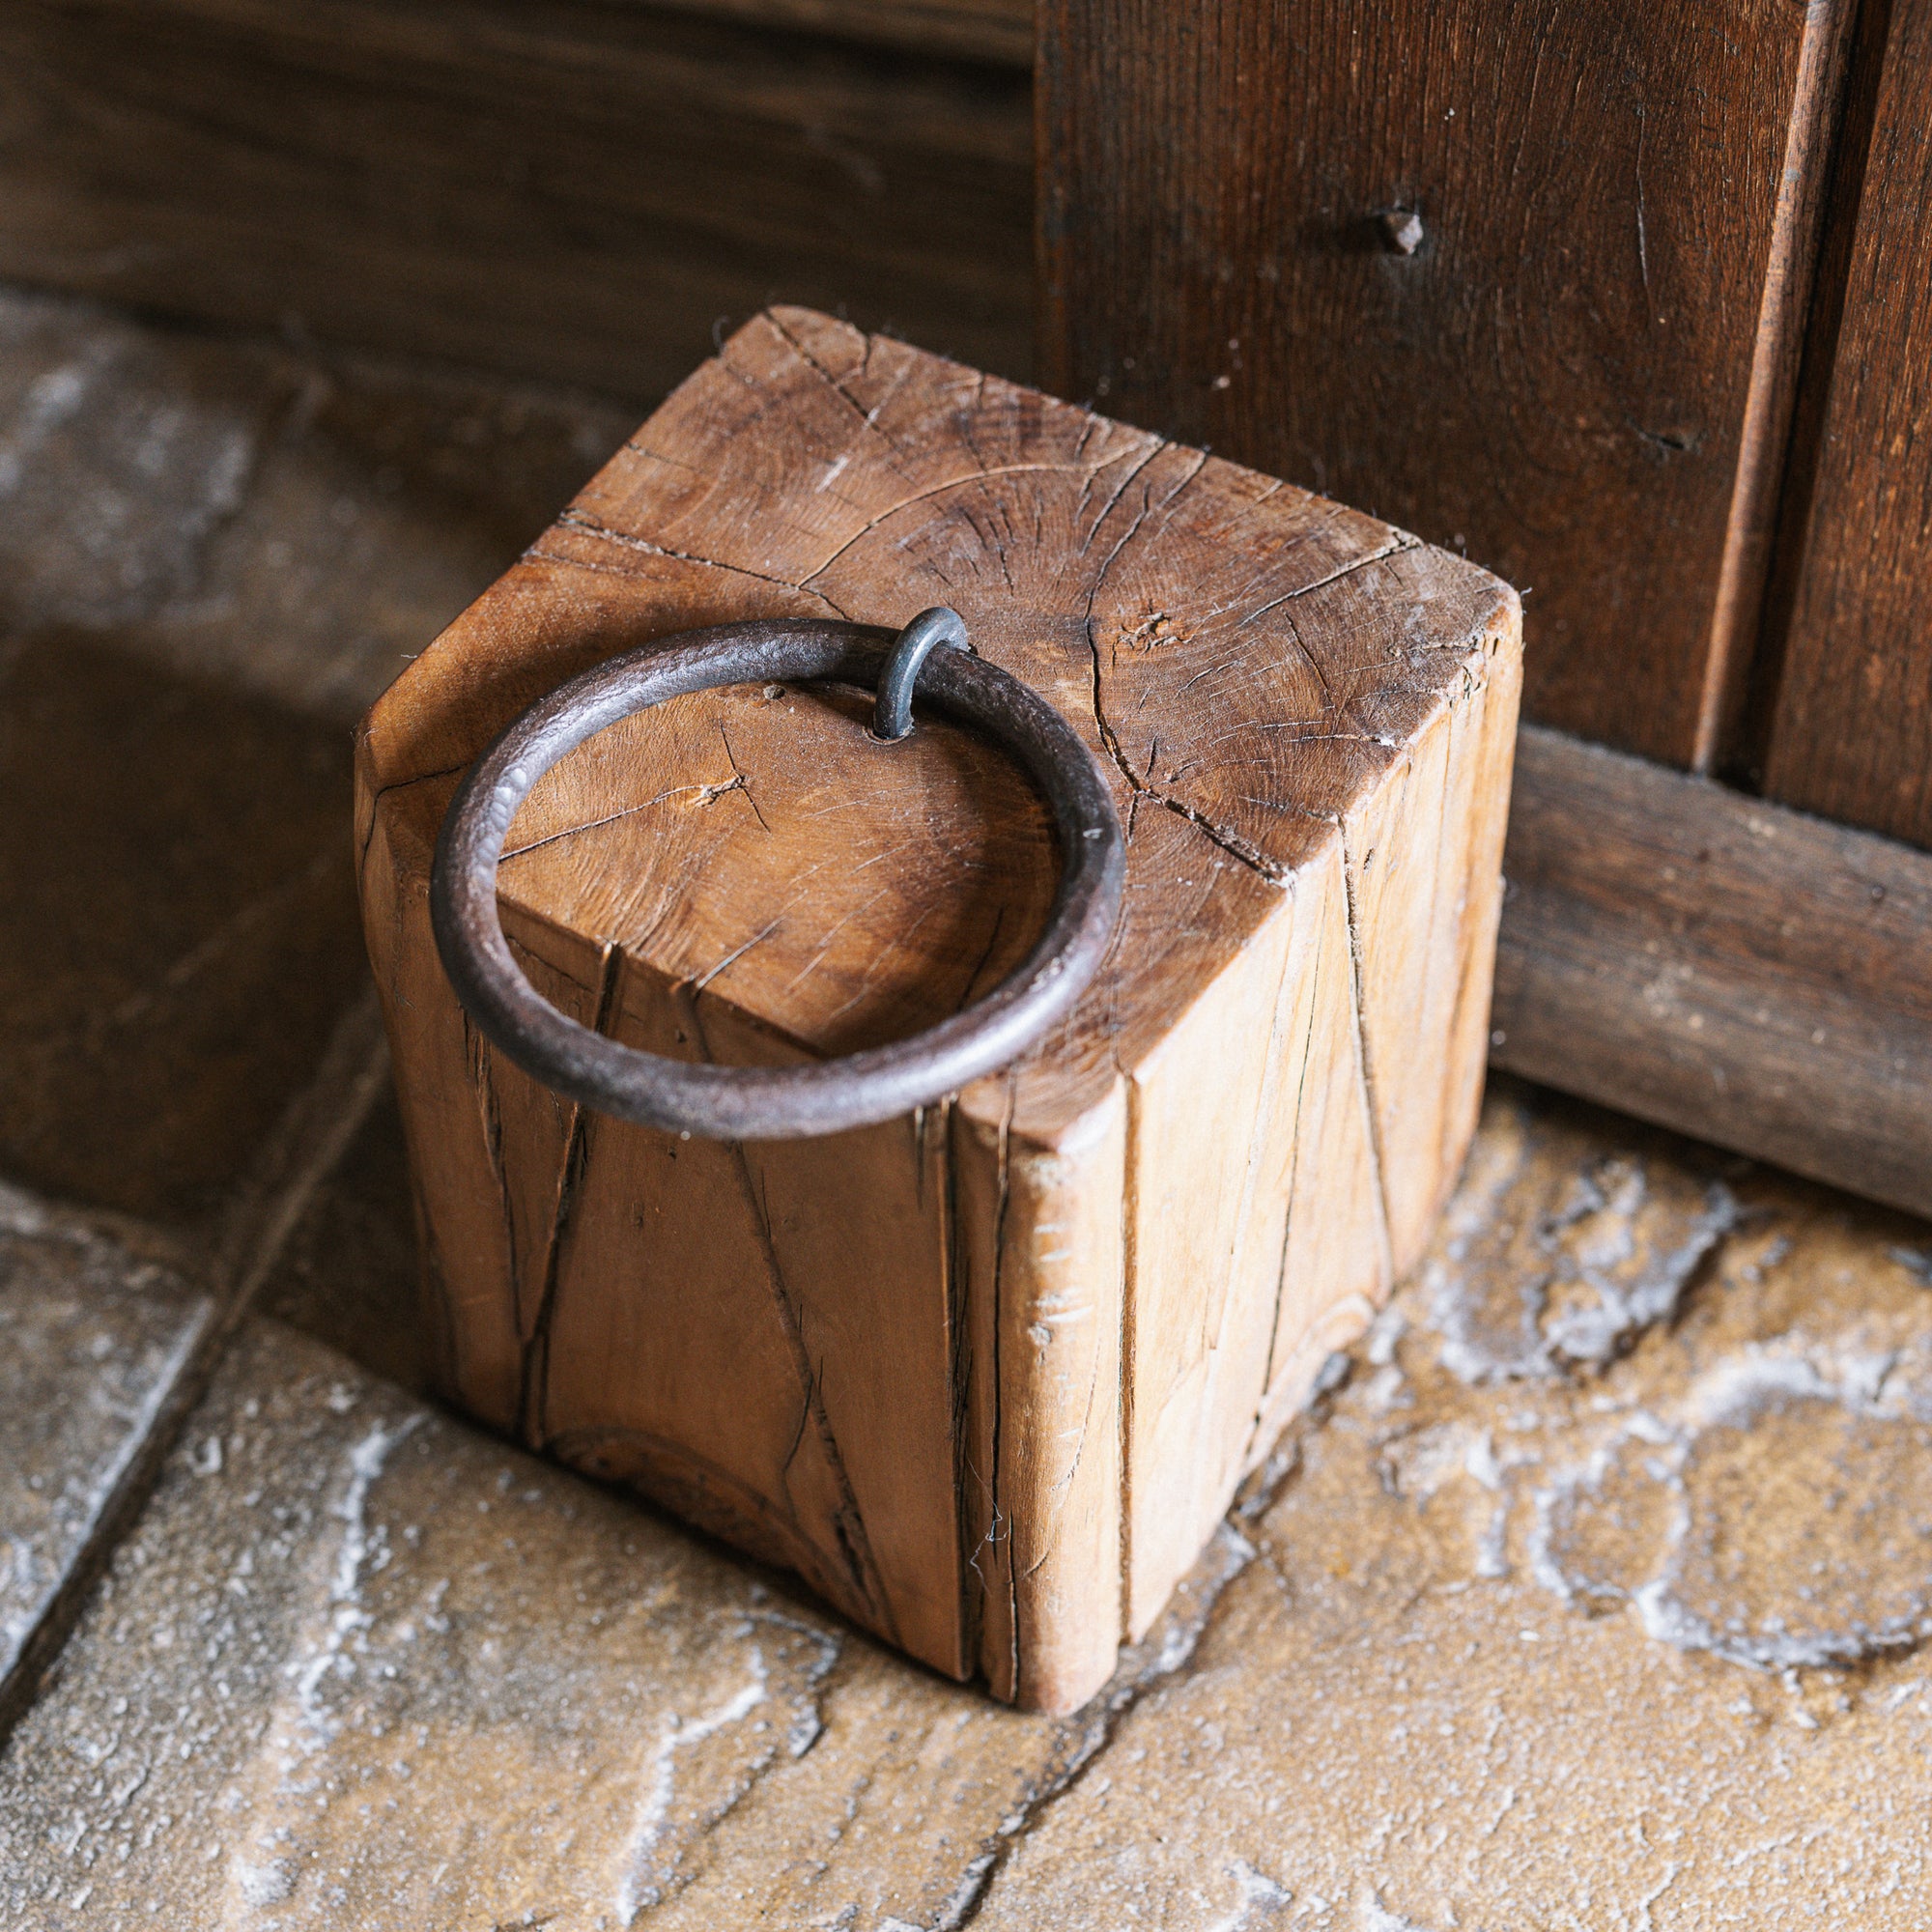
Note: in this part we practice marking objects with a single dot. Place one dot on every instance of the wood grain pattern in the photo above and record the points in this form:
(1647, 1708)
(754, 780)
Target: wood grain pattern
(1851, 735)
(1557, 378)
(579, 191)
(1000, 31)
(986, 1376)
(1722, 964)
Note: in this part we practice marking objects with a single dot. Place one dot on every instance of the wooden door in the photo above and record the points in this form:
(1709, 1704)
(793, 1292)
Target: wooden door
(1634, 307)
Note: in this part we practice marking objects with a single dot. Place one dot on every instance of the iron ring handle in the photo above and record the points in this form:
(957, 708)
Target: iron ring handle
(823, 1097)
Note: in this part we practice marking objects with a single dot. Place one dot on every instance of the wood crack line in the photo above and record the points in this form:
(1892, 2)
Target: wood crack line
(381, 792)
(1289, 1224)
(869, 419)
(1401, 544)
(993, 1537)
(1365, 1062)
(707, 794)
(849, 1522)
(532, 1416)
(576, 520)
(1231, 842)
(1266, 1100)
(959, 482)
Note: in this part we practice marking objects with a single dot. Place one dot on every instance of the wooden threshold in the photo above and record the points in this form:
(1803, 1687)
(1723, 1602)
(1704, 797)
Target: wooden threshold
(1726, 966)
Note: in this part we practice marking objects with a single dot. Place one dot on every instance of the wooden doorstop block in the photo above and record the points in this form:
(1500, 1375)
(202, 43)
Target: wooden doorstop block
(985, 1377)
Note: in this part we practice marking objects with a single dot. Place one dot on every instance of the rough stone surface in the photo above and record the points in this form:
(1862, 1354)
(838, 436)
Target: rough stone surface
(93, 1331)
(1604, 1640)
(293, 524)
(179, 936)
(360, 1665)
(381, 502)
(1622, 1642)
(212, 554)
(122, 451)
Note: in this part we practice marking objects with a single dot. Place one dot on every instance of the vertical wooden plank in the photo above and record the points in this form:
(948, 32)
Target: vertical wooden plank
(1551, 369)
(1851, 733)
(1743, 570)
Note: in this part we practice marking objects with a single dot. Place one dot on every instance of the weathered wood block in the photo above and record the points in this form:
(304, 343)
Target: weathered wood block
(985, 1377)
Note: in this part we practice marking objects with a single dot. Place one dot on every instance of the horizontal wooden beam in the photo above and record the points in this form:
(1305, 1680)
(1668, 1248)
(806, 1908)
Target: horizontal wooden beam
(996, 31)
(1726, 966)
(578, 191)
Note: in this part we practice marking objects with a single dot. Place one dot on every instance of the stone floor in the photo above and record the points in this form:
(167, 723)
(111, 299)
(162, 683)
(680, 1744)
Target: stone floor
(1591, 1594)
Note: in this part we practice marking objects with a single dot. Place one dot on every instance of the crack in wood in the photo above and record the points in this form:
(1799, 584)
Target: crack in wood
(1288, 1224)
(532, 1424)
(848, 1523)
(1364, 1064)
(1230, 843)
(959, 482)
(1258, 1136)
(381, 792)
(869, 419)
(576, 520)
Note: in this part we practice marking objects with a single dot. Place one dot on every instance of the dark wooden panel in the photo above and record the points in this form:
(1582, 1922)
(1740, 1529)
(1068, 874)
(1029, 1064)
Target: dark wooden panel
(579, 190)
(1728, 967)
(1852, 731)
(1556, 377)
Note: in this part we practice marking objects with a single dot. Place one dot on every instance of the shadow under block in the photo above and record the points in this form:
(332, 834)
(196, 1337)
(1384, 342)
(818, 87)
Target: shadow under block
(985, 1376)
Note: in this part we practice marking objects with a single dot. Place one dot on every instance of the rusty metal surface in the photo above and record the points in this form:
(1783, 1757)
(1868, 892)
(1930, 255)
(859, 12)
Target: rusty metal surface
(827, 1097)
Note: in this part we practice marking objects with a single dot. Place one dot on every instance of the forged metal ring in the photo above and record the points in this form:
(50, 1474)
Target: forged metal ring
(824, 1096)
